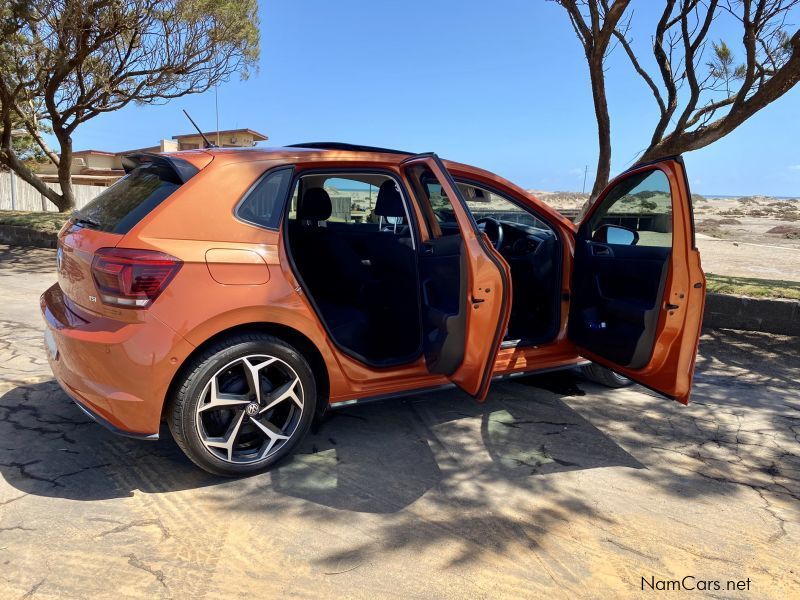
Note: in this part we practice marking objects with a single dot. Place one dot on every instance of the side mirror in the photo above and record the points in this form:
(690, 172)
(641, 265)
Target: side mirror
(615, 234)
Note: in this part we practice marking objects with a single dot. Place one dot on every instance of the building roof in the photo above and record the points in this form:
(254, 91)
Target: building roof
(154, 149)
(101, 172)
(99, 152)
(80, 178)
(258, 137)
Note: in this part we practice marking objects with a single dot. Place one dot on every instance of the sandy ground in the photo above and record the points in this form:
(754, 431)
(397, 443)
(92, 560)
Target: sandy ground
(734, 235)
(749, 259)
(554, 487)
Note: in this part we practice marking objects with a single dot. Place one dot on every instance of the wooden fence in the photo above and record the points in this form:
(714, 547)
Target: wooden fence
(16, 194)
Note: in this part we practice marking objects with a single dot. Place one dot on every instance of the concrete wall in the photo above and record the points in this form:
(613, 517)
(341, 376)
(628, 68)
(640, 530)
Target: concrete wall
(752, 314)
(27, 198)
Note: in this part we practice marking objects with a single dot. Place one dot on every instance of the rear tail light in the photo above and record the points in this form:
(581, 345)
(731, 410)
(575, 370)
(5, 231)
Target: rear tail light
(132, 278)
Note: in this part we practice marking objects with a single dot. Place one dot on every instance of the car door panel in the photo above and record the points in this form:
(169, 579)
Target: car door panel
(637, 308)
(617, 302)
(466, 285)
(443, 277)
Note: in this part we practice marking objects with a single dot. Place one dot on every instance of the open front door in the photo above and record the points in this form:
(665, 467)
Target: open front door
(638, 290)
(465, 283)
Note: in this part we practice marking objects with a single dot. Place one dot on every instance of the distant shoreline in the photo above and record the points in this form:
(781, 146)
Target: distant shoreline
(706, 196)
(721, 197)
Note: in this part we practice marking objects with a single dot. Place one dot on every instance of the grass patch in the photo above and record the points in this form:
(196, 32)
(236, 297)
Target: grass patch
(45, 222)
(755, 288)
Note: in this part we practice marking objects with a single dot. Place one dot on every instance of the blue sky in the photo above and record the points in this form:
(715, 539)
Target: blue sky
(500, 85)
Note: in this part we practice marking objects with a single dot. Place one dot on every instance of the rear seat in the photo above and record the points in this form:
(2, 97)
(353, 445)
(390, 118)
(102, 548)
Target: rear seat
(362, 278)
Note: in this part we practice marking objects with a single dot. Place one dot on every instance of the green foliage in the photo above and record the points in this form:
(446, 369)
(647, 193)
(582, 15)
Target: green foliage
(28, 150)
(648, 205)
(64, 62)
(721, 66)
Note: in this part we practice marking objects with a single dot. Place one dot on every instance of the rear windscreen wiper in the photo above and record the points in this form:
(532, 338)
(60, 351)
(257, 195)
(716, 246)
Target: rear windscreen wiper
(85, 221)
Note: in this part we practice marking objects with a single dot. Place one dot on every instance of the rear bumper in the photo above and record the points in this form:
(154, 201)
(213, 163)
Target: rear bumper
(101, 421)
(117, 372)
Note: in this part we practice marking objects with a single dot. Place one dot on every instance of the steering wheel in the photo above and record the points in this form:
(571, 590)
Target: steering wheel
(493, 229)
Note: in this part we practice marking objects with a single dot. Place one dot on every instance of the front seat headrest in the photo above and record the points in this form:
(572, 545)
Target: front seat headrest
(389, 202)
(315, 206)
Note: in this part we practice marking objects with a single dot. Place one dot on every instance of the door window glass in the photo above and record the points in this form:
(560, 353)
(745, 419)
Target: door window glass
(371, 201)
(436, 207)
(485, 203)
(641, 203)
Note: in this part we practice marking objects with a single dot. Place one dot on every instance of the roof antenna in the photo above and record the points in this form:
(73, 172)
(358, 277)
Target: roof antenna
(203, 135)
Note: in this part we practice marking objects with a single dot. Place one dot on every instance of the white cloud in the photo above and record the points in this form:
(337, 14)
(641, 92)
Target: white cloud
(794, 167)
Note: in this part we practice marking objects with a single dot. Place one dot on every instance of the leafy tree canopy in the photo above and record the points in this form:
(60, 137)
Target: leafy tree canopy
(63, 62)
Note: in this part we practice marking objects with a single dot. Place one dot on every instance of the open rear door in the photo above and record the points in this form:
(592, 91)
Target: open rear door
(465, 283)
(638, 290)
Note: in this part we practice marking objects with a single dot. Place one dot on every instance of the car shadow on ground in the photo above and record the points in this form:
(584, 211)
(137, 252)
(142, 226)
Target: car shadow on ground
(28, 260)
(384, 456)
(376, 458)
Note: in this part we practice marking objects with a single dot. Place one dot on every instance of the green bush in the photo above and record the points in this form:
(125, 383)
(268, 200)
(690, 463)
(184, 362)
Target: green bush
(44, 222)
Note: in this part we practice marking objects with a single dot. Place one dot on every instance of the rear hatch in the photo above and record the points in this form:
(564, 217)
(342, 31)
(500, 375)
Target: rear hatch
(150, 179)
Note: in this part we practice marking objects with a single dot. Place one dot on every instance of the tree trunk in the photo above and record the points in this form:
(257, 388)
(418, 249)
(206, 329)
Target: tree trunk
(10, 159)
(65, 174)
(603, 172)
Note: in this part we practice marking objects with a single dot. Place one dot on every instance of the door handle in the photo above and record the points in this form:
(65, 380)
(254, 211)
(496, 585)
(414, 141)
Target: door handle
(601, 251)
(427, 250)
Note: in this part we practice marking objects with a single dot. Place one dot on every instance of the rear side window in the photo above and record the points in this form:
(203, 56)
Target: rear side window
(263, 204)
(128, 201)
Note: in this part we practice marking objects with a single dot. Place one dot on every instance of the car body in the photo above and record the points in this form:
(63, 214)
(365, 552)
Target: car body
(224, 243)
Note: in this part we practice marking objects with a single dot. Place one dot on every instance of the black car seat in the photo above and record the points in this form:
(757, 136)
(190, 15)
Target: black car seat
(331, 270)
(395, 267)
(330, 266)
(389, 203)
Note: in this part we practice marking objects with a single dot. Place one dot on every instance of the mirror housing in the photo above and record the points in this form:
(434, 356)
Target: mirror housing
(616, 234)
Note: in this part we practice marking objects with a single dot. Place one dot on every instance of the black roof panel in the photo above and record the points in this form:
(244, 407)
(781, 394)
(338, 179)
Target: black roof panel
(347, 147)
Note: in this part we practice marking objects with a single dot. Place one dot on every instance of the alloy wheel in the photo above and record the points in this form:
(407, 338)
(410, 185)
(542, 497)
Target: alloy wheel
(249, 409)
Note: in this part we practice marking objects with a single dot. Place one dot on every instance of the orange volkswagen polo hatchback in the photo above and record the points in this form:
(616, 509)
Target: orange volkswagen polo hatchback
(237, 294)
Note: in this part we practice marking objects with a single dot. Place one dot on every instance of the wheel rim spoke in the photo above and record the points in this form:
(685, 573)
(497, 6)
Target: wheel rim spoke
(252, 369)
(217, 400)
(272, 433)
(285, 392)
(218, 409)
(228, 441)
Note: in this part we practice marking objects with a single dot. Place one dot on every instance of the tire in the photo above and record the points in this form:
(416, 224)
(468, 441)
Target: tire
(604, 376)
(214, 416)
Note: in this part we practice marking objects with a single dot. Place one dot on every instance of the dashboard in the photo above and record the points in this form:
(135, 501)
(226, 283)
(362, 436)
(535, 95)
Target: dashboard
(518, 239)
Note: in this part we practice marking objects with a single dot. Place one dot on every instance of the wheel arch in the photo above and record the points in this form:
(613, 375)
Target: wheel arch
(297, 339)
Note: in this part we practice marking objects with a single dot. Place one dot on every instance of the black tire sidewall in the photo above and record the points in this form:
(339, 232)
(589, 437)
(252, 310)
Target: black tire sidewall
(184, 407)
(605, 376)
(618, 379)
